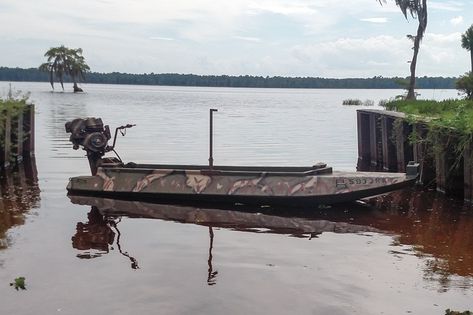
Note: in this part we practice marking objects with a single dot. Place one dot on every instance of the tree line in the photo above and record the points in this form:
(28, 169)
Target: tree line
(175, 79)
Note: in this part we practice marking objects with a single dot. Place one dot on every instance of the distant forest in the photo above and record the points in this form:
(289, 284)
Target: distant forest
(175, 79)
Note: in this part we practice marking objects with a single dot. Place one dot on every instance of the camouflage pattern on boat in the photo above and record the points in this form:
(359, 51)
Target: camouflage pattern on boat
(195, 182)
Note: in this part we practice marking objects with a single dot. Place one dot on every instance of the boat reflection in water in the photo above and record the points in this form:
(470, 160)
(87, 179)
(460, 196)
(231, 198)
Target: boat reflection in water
(19, 193)
(99, 234)
(435, 228)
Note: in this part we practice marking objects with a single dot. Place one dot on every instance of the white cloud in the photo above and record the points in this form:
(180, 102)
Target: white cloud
(457, 20)
(440, 55)
(445, 5)
(248, 39)
(161, 38)
(289, 8)
(294, 37)
(375, 20)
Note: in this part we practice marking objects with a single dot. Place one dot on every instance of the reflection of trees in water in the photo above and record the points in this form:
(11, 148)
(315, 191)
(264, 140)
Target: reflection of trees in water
(438, 229)
(19, 193)
(96, 237)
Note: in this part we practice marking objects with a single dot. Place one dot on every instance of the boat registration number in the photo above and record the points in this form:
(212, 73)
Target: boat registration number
(343, 182)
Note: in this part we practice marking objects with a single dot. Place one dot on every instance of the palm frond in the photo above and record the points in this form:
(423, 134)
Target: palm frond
(467, 39)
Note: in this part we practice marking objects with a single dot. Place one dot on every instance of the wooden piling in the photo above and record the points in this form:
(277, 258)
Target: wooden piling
(364, 149)
(376, 152)
(388, 145)
(379, 143)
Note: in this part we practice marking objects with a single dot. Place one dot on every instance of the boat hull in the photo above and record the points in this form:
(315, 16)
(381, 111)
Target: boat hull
(252, 187)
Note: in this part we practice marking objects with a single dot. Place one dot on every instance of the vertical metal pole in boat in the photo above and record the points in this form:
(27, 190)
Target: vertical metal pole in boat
(211, 159)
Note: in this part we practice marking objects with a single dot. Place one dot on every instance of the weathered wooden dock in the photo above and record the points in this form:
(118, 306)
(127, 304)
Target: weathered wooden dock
(17, 136)
(384, 144)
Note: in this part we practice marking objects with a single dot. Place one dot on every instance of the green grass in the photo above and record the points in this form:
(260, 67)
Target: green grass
(452, 113)
(14, 107)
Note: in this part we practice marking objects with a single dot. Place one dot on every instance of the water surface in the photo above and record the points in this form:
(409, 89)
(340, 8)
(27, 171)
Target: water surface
(408, 252)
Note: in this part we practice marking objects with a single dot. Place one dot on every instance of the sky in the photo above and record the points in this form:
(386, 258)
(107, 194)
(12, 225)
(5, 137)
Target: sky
(316, 38)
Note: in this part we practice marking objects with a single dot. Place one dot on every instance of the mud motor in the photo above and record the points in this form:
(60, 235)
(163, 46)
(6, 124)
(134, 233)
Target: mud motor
(91, 134)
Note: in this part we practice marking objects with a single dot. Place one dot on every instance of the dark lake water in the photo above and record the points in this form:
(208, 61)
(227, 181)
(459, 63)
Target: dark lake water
(407, 252)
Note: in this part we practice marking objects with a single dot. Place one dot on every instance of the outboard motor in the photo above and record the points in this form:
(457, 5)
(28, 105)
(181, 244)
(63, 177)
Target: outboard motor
(91, 134)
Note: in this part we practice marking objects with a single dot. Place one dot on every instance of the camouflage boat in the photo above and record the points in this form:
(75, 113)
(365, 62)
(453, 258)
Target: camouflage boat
(253, 185)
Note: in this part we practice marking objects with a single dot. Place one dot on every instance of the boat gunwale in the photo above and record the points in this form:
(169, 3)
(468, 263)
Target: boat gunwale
(225, 170)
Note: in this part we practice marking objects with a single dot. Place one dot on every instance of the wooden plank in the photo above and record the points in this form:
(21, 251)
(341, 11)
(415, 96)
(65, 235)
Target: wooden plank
(388, 147)
(364, 151)
(373, 140)
(401, 147)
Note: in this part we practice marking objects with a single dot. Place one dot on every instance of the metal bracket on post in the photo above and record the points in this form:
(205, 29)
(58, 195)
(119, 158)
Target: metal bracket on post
(211, 159)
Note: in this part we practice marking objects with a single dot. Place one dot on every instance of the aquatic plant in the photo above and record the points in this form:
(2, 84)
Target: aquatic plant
(352, 101)
(19, 283)
(450, 312)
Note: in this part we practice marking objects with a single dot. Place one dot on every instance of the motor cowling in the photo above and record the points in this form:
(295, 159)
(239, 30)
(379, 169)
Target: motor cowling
(90, 133)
